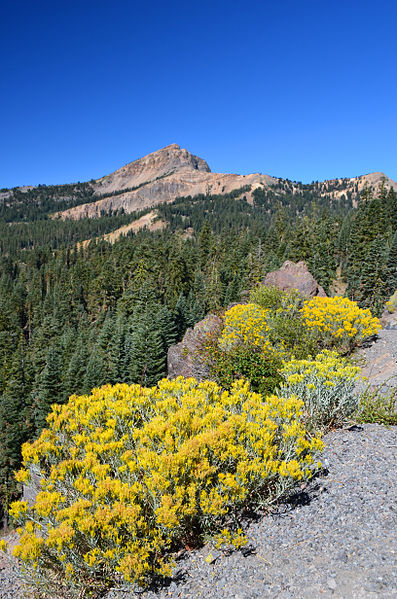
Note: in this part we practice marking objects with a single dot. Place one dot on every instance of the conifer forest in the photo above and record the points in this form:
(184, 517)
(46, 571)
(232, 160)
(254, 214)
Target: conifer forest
(75, 316)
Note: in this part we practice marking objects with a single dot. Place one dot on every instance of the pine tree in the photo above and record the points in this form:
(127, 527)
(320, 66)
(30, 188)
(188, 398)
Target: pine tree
(213, 297)
(181, 315)
(166, 325)
(95, 374)
(205, 243)
(75, 373)
(16, 425)
(147, 355)
(50, 388)
(372, 291)
(116, 353)
(233, 291)
(391, 267)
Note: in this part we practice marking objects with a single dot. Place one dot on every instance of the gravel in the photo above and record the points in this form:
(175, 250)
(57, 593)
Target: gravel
(380, 357)
(335, 539)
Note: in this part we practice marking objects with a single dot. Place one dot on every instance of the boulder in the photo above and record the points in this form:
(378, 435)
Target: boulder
(184, 358)
(295, 275)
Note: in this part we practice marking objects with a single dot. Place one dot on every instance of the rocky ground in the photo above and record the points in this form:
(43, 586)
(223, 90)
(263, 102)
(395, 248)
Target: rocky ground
(336, 539)
(380, 357)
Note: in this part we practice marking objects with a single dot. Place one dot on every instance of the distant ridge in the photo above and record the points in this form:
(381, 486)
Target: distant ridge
(161, 177)
(172, 171)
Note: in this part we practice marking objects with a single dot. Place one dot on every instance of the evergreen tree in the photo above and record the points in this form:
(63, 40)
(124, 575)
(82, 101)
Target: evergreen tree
(391, 267)
(50, 388)
(181, 315)
(372, 292)
(147, 356)
(165, 324)
(95, 374)
(205, 244)
(116, 354)
(15, 422)
(75, 373)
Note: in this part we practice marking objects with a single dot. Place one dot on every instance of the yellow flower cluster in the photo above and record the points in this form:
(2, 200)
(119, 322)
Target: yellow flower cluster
(326, 387)
(130, 472)
(338, 322)
(245, 325)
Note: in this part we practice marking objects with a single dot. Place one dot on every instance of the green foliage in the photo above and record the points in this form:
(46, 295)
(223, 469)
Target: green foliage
(262, 371)
(371, 250)
(391, 276)
(378, 405)
(16, 423)
(272, 298)
(287, 331)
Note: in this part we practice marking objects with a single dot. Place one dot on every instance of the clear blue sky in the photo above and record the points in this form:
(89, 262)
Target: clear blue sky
(305, 90)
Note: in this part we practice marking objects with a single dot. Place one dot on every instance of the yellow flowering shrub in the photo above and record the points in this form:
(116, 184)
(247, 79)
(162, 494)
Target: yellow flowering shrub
(326, 387)
(286, 332)
(131, 473)
(241, 349)
(245, 325)
(337, 322)
(391, 304)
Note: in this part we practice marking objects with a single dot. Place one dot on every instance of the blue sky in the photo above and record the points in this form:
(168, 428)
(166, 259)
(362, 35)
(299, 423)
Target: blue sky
(297, 89)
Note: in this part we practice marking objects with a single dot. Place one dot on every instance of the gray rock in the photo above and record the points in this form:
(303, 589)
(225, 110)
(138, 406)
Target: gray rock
(294, 275)
(184, 358)
(331, 583)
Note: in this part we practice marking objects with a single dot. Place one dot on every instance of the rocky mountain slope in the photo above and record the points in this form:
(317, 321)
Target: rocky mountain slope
(161, 177)
(171, 172)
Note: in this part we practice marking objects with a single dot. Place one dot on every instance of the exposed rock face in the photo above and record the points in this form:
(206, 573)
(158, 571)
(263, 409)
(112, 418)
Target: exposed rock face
(158, 164)
(184, 358)
(294, 275)
(161, 177)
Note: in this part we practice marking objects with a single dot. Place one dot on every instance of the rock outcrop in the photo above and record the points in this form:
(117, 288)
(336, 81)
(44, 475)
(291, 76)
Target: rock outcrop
(295, 275)
(184, 358)
(156, 165)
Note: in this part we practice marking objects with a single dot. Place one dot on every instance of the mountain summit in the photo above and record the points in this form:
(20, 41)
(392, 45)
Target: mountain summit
(161, 177)
(171, 172)
(159, 164)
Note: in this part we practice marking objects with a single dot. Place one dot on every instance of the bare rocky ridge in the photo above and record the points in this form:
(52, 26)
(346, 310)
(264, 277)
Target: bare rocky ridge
(171, 172)
(158, 164)
(161, 177)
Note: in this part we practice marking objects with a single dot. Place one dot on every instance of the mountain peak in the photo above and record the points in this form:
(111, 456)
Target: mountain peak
(152, 167)
(172, 172)
(374, 180)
